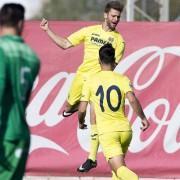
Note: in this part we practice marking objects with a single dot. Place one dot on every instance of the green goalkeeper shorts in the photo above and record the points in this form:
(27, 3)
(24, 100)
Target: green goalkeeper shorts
(13, 157)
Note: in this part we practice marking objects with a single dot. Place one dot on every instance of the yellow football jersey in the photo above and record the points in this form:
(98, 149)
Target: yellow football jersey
(106, 91)
(93, 38)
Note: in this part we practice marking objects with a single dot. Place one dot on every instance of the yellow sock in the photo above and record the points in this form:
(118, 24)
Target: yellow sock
(126, 174)
(94, 143)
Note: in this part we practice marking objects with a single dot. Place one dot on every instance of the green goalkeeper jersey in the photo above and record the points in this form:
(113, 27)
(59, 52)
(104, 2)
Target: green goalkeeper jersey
(19, 67)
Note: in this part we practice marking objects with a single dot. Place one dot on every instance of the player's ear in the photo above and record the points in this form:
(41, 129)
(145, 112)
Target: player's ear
(105, 15)
(20, 27)
(99, 61)
(114, 65)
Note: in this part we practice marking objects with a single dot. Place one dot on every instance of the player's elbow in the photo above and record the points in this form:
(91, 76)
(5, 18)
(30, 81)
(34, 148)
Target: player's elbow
(63, 46)
(132, 100)
(66, 44)
(131, 97)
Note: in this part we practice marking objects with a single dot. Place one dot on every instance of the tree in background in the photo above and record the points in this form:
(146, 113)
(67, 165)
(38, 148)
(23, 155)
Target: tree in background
(151, 7)
(72, 10)
(174, 10)
(92, 9)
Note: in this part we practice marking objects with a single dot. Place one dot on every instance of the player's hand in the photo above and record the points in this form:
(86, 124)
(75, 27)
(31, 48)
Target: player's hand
(44, 24)
(145, 124)
(82, 126)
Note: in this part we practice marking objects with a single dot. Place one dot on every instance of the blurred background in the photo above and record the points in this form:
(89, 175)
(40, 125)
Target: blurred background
(87, 10)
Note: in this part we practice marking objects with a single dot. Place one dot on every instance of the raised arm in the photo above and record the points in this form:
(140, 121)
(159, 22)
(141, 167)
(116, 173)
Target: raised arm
(137, 109)
(60, 41)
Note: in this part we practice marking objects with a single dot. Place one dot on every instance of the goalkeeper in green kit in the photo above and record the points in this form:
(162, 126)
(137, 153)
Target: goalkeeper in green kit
(19, 67)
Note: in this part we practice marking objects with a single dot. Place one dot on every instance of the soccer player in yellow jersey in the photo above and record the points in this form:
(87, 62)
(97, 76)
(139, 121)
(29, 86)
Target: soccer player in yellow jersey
(93, 38)
(106, 91)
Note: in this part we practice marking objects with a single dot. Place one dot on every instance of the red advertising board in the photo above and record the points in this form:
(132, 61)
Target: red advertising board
(151, 61)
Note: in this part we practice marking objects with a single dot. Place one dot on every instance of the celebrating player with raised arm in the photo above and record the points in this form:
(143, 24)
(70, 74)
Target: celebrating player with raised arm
(93, 38)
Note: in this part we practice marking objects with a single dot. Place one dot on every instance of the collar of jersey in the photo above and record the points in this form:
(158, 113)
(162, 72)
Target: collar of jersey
(13, 37)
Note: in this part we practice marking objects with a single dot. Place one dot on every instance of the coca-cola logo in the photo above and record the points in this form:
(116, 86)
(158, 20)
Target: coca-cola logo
(173, 124)
(157, 55)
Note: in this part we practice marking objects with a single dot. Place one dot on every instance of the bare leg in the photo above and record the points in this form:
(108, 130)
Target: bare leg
(92, 115)
(117, 164)
(94, 144)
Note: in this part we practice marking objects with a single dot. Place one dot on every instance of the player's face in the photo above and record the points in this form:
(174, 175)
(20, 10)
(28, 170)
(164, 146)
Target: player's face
(112, 18)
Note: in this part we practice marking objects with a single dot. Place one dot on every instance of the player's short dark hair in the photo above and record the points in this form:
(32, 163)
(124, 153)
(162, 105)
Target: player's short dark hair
(107, 54)
(114, 5)
(11, 14)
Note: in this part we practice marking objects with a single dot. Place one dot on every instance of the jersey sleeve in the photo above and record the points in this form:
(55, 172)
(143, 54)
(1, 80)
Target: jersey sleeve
(86, 92)
(77, 37)
(2, 74)
(127, 85)
(119, 50)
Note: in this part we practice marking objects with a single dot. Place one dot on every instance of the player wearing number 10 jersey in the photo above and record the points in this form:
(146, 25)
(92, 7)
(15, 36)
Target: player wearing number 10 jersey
(106, 91)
